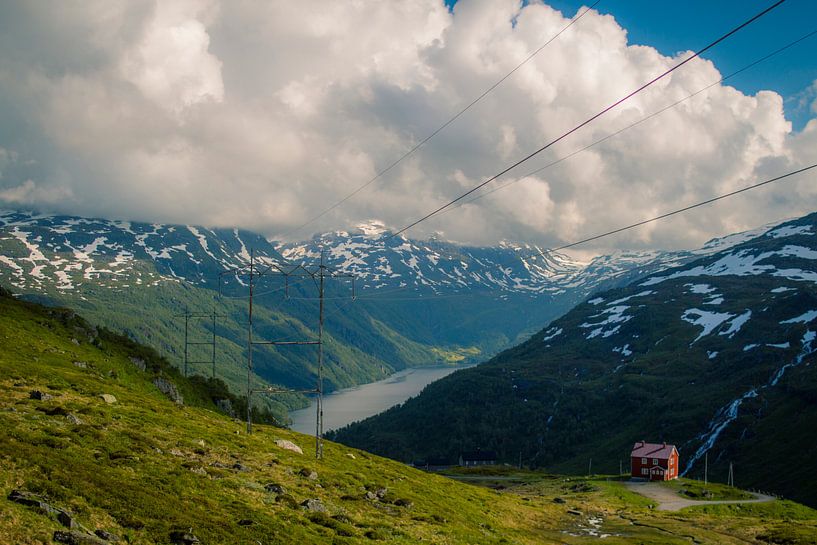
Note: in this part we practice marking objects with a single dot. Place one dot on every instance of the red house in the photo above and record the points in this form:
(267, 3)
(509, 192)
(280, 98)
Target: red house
(654, 461)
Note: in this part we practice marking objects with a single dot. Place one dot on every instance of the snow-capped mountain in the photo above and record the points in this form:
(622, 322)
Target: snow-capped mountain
(715, 355)
(382, 261)
(418, 301)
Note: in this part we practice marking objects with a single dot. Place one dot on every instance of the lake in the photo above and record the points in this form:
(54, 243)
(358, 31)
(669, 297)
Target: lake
(352, 404)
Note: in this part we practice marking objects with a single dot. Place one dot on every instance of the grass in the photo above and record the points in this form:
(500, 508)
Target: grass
(697, 490)
(143, 467)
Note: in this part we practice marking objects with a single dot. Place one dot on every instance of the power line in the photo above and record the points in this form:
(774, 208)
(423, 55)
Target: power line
(674, 212)
(440, 128)
(592, 118)
(642, 120)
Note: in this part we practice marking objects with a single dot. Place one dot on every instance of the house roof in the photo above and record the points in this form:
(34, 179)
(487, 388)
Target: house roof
(662, 451)
(479, 455)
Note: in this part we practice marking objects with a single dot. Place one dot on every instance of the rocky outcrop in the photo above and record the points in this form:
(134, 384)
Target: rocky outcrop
(168, 389)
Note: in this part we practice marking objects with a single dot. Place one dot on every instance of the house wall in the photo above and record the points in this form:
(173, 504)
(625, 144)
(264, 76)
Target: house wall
(641, 469)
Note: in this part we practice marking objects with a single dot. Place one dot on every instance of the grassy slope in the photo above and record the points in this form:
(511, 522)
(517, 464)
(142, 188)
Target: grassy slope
(143, 467)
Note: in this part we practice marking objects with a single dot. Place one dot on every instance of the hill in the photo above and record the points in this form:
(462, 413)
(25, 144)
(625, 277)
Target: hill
(142, 468)
(715, 356)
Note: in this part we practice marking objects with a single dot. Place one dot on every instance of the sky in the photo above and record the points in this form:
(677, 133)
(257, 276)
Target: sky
(261, 115)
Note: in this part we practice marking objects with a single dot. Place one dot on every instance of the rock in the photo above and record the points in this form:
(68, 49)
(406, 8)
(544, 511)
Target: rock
(381, 493)
(56, 411)
(370, 496)
(574, 512)
(559, 500)
(67, 520)
(40, 396)
(246, 522)
(310, 474)
(81, 364)
(288, 445)
(275, 488)
(183, 537)
(350, 455)
(75, 341)
(199, 471)
(403, 502)
(177, 452)
(169, 390)
(24, 497)
(138, 362)
(107, 536)
(108, 398)
(225, 406)
(240, 467)
(314, 504)
(74, 537)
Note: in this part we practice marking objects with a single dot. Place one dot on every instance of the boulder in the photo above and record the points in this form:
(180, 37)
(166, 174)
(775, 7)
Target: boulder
(314, 504)
(310, 474)
(38, 395)
(169, 390)
(288, 445)
(107, 536)
(108, 398)
(81, 364)
(73, 419)
(183, 537)
(74, 537)
(138, 362)
(275, 488)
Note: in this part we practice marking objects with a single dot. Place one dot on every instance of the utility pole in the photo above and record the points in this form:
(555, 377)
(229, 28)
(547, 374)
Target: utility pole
(188, 316)
(590, 467)
(318, 276)
(706, 468)
(620, 468)
(731, 479)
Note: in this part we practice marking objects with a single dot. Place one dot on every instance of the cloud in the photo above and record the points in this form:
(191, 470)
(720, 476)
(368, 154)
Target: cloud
(262, 115)
(28, 193)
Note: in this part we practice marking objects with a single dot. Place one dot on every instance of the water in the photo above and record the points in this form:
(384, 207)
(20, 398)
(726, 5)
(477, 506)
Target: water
(352, 404)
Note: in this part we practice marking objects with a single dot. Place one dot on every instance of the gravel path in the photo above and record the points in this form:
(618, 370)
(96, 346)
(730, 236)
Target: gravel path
(669, 500)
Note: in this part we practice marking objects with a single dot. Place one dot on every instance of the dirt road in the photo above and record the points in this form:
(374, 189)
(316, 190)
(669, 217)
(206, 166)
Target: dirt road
(669, 500)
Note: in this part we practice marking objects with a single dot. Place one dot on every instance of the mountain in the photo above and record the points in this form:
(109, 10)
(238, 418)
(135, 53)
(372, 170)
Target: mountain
(715, 355)
(93, 452)
(419, 302)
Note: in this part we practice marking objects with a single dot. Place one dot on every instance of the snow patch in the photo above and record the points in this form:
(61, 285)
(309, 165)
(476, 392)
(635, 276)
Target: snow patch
(708, 320)
(804, 318)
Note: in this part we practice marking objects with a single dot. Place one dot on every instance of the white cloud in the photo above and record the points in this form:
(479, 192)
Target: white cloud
(171, 64)
(261, 115)
(28, 193)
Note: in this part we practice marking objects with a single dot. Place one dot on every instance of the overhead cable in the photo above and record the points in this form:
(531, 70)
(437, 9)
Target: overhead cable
(591, 119)
(440, 128)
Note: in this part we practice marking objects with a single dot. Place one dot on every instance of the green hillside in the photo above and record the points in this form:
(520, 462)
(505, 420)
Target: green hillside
(149, 470)
(717, 356)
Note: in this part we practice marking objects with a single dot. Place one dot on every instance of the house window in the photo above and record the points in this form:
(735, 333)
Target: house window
(655, 461)
(643, 460)
(645, 471)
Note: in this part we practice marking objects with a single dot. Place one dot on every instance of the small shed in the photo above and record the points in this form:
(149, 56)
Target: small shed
(478, 458)
(654, 461)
